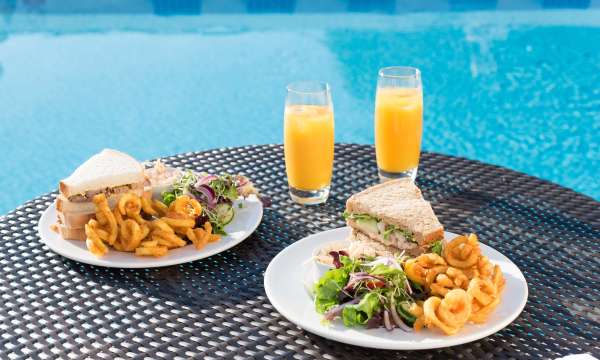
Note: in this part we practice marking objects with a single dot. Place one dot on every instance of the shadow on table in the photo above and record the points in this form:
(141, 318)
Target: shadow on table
(227, 277)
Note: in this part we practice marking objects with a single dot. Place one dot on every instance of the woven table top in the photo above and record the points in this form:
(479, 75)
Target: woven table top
(52, 307)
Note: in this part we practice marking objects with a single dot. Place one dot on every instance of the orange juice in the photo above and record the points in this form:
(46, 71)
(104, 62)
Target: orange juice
(308, 146)
(398, 128)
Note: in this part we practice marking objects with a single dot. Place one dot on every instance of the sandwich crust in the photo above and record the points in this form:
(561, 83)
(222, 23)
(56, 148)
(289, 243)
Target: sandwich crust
(386, 193)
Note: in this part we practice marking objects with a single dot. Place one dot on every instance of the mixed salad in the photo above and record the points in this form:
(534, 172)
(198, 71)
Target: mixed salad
(370, 292)
(216, 194)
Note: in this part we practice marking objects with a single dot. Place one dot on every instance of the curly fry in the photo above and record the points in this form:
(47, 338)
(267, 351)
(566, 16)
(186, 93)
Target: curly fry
(483, 268)
(159, 207)
(185, 205)
(462, 252)
(147, 207)
(159, 224)
(416, 269)
(125, 229)
(448, 314)
(417, 310)
(138, 219)
(95, 225)
(455, 308)
(149, 243)
(167, 239)
(202, 238)
(484, 299)
(155, 251)
(211, 237)
(498, 279)
(179, 220)
(93, 242)
(118, 217)
(198, 241)
(145, 230)
(130, 205)
(105, 217)
(432, 274)
(451, 278)
(131, 236)
(181, 230)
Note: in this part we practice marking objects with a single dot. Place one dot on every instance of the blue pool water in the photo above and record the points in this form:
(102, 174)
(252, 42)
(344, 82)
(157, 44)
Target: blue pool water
(510, 83)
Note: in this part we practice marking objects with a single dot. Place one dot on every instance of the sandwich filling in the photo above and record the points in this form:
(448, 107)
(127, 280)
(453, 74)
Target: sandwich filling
(388, 234)
(88, 195)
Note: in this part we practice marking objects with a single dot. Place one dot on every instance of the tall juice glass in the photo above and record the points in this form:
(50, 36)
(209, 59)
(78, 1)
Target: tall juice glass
(398, 122)
(308, 141)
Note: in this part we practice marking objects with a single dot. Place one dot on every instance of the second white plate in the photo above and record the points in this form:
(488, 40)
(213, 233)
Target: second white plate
(244, 223)
(284, 284)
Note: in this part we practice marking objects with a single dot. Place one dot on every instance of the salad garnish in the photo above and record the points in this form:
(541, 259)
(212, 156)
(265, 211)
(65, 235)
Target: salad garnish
(371, 292)
(216, 193)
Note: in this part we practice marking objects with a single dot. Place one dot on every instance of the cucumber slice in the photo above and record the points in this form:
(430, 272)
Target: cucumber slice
(224, 213)
(403, 309)
(367, 225)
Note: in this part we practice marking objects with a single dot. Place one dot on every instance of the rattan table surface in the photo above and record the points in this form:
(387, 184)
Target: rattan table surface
(51, 307)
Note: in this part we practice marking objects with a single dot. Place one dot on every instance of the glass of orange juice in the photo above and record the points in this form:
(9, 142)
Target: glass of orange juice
(308, 141)
(398, 122)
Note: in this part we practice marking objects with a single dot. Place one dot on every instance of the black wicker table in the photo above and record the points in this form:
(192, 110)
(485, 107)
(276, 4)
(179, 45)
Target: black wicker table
(51, 307)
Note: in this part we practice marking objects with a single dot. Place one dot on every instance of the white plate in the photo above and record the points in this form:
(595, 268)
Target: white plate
(244, 223)
(284, 285)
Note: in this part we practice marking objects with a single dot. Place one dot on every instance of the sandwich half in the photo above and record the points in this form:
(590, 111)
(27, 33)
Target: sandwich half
(110, 172)
(393, 214)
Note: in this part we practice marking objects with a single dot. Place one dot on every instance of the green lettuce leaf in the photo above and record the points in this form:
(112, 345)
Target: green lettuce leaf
(389, 229)
(385, 271)
(352, 216)
(328, 288)
(359, 314)
(437, 247)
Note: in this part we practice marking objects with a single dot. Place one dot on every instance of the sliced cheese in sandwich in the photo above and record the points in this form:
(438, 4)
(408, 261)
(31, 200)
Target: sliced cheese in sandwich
(110, 172)
(395, 214)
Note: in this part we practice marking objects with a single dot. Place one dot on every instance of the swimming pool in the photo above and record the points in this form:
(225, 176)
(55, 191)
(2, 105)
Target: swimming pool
(517, 87)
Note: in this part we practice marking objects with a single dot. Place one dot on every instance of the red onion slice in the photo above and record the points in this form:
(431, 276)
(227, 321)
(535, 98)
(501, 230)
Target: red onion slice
(337, 310)
(206, 195)
(397, 320)
(386, 321)
(206, 180)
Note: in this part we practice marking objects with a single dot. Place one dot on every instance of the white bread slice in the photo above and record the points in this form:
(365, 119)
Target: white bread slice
(74, 220)
(400, 203)
(385, 194)
(109, 168)
(71, 234)
(362, 245)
